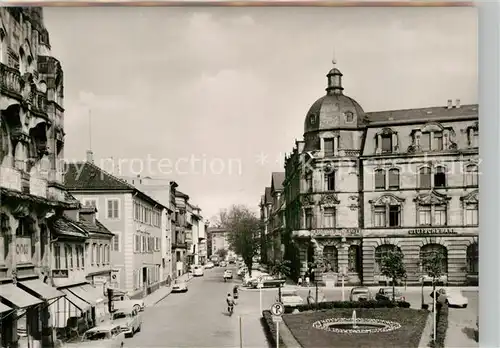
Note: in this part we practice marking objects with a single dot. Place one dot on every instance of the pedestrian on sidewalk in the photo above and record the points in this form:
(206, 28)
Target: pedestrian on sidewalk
(299, 281)
(307, 281)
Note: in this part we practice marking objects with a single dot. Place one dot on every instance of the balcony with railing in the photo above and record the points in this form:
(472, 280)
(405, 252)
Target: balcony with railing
(10, 81)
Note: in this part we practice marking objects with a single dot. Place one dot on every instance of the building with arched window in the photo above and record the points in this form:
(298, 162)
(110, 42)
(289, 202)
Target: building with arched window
(362, 183)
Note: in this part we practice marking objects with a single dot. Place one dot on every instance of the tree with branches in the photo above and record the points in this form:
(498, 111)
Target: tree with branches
(433, 265)
(244, 232)
(222, 253)
(393, 267)
(281, 269)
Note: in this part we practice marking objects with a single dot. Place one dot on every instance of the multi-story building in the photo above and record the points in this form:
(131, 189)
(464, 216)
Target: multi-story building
(362, 183)
(132, 216)
(31, 153)
(162, 191)
(276, 221)
(265, 213)
(180, 245)
(219, 240)
(81, 252)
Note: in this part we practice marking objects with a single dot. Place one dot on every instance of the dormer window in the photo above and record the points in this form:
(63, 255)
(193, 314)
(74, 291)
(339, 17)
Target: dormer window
(438, 141)
(349, 117)
(473, 135)
(425, 141)
(312, 119)
(386, 143)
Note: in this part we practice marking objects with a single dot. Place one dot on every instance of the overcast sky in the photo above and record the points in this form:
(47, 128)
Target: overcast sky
(225, 85)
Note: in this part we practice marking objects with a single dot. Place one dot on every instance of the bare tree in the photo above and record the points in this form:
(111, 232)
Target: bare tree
(220, 220)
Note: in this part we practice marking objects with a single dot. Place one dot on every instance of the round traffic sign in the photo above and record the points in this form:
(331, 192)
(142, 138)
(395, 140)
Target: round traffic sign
(277, 309)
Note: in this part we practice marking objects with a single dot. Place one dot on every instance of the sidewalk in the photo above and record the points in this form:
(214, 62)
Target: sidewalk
(375, 288)
(157, 296)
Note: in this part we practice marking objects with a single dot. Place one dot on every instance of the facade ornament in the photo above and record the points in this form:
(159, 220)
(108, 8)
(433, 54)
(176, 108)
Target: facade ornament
(329, 199)
(353, 207)
(307, 200)
(354, 198)
(21, 210)
(472, 197)
(14, 276)
(387, 198)
(432, 197)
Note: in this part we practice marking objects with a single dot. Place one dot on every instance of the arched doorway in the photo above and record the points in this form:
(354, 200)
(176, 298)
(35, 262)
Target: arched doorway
(434, 259)
(380, 252)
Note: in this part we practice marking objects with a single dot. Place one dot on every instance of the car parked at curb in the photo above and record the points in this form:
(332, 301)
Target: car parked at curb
(103, 336)
(198, 271)
(268, 281)
(452, 297)
(129, 320)
(360, 293)
(386, 294)
(179, 286)
(290, 298)
(122, 300)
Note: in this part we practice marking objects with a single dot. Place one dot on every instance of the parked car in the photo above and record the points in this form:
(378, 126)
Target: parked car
(360, 293)
(122, 300)
(426, 279)
(104, 336)
(179, 286)
(209, 265)
(223, 264)
(290, 298)
(232, 260)
(241, 271)
(129, 320)
(247, 279)
(452, 297)
(228, 274)
(198, 271)
(385, 294)
(268, 282)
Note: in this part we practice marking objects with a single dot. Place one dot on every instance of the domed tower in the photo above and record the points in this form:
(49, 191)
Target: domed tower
(330, 234)
(334, 116)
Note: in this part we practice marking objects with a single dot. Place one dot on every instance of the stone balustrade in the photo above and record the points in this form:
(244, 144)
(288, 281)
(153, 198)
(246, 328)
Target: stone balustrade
(10, 81)
(10, 178)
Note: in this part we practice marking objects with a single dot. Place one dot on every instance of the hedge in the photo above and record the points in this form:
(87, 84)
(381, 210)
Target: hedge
(270, 328)
(347, 304)
(441, 326)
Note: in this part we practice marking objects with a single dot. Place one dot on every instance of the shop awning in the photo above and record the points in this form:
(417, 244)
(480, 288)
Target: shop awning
(41, 290)
(4, 308)
(17, 296)
(85, 294)
(97, 293)
(76, 301)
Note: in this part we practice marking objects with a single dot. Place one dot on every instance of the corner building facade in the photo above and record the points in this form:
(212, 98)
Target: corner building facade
(363, 183)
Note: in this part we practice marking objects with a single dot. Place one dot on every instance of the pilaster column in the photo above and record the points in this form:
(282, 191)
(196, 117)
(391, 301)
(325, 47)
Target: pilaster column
(10, 258)
(379, 144)
(36, 255)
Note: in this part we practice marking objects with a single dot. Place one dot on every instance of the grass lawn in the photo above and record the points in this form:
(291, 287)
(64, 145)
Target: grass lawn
(412, 324)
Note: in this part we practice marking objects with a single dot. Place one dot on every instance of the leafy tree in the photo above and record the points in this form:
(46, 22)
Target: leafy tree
(244, 233)
(393, 267)
(433, 265)
(222, 253)
(281, 269)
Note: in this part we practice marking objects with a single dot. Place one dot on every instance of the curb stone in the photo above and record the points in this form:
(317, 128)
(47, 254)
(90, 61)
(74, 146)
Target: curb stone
(426, 333)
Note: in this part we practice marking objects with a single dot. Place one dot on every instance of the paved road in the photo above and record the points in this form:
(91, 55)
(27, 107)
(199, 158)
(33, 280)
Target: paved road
(199, 318)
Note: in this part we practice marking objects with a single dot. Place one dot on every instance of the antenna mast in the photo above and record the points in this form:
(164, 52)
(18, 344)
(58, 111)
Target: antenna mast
(90, 129)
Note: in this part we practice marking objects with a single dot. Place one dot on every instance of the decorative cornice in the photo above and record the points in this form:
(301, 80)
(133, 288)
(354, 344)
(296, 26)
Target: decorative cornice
(387, 198)
(432, 197)
(471, 197)
(329, 199)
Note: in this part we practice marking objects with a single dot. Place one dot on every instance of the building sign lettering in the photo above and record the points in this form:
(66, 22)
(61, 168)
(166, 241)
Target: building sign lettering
(23, 250)
(344, 232)
(430, 231)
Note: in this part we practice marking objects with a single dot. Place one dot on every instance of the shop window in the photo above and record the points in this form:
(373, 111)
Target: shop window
(394, 179)
(383, 251)
(354, 259)
(427, 253)
(425, 178)
(473, 259)
(471, 175)
(440, 177)
(330, 258)
(379, 179)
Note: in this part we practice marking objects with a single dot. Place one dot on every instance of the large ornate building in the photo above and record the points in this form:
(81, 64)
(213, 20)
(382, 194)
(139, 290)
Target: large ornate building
(362, 183)
(31, 173)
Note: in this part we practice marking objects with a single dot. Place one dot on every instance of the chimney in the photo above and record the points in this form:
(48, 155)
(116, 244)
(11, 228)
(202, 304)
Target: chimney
(457, 103)
(450, 103)
(90, 156)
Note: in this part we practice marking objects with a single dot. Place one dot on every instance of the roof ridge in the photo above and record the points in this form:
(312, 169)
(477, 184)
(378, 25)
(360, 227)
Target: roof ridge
(423, 108)
(112, 176)
(75, 224)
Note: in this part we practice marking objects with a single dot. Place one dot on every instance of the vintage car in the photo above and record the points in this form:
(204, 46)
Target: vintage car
(267, 281)
(108, 335)
(129, 320)
(452, 297)
(427, 280)
(179, 286)
(247, 279)
(209, 265)
(228, 274)
(198, 271)
(385, 294)
(290, 298)
(360, 293)
(223, 264)
(122, 300)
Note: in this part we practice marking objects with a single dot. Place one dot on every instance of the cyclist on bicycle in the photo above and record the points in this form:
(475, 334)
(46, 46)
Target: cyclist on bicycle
(230, 303)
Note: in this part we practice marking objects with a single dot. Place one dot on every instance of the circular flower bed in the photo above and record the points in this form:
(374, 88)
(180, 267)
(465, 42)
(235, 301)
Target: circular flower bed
(344, 325)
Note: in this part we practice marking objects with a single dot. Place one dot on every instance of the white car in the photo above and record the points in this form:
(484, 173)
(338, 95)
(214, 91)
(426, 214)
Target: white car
(198, 271)
(129, 320)
(228, 274)
(242, 271)
(122, 300)
(209, 265)
(428, 279)
(105, 336)
(290, 298)
(452, 297)
(179, 286)
(255, 274)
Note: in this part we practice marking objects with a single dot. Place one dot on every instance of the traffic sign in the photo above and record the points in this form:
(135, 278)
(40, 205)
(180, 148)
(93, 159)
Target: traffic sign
(278, 309)
(277, 319)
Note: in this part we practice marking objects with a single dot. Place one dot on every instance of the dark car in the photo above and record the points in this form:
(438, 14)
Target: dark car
(385, 294)
(268, 282)
(360, 293)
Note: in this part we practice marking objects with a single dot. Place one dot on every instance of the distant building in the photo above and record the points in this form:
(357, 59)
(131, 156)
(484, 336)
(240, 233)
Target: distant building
(219, 240)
